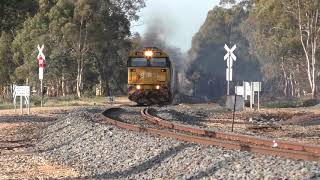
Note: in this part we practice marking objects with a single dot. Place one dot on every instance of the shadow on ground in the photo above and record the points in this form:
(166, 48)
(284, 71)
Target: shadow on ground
(148, 164)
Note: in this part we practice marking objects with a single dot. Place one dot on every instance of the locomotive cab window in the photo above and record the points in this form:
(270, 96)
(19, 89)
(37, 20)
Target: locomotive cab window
(158, 62)
(144, 62)
(138, 62)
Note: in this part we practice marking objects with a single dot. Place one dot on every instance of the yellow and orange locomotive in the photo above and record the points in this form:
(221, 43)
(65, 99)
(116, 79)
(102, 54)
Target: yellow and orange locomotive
(150, 74)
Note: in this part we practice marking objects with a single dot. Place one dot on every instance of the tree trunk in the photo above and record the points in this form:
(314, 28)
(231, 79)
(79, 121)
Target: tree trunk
(58, 87)
(106, 88)
(79, 79)
(309, 33)
(291, 85)
(284, 77)
(63, 85)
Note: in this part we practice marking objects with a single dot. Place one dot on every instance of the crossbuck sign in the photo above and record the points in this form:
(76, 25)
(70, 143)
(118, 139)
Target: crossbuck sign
(229, 57)
(41, 60)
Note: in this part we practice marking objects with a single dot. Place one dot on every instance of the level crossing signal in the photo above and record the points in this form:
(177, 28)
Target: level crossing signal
(229, 57)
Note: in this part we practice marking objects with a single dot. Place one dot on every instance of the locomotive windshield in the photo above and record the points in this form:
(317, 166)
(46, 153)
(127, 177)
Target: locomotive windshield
(158, 62)
(139, 62)
(143, 62)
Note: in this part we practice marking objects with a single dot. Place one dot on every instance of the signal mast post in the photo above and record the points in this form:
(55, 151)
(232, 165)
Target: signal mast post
(229, 57)
(228, 86)
(41, 92)
(41, 59)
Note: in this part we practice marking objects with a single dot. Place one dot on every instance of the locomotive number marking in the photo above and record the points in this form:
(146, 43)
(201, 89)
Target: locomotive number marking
(141, 76)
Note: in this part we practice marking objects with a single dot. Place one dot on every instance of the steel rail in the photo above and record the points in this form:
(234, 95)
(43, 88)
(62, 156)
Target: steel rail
(215, 142)
(277, 144)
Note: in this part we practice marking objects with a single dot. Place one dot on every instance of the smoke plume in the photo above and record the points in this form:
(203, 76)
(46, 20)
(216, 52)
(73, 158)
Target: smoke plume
(157, 34)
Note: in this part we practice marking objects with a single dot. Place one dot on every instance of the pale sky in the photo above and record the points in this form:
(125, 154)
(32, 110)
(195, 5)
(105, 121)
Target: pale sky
(186, 17)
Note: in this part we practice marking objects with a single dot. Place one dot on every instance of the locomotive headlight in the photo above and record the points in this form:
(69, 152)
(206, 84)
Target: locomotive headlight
(138, 87)
(157, 87)
(148, 53)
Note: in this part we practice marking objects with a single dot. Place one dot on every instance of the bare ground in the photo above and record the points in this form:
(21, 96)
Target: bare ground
(18, 135)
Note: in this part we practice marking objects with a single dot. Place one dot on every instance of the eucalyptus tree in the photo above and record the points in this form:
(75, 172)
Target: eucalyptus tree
(111, 40)
(12, 15)
(14, 12)
(24, 47)
(274, 41)
(83, 38)
(285, 36)
(307, 16)
(222, 26)
(6, 65)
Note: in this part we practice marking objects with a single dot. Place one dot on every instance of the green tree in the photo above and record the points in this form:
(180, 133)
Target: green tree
(6, 65)
(285, 43)
(83, 40)
(14, 12)
(222, 26)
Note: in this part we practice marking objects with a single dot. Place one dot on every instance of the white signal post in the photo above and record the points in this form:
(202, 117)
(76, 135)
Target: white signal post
(41, 59)
(229, 57)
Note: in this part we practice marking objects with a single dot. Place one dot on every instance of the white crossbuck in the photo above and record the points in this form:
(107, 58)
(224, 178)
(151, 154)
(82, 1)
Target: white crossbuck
(229, 57)
(40, 54)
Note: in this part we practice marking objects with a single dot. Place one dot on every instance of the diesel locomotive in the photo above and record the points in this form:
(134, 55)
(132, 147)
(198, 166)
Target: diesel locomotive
(150, 77)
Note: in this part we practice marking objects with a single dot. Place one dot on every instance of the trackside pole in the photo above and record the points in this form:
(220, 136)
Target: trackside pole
(41, 92)
(234, 108)
(15, 105)
(29, 105)
(258, 101)
(41, 60)
(251, 99)
(228, 85)
(21, 105)
(229, 57)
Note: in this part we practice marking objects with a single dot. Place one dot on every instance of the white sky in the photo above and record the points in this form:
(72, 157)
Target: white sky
(186, 16)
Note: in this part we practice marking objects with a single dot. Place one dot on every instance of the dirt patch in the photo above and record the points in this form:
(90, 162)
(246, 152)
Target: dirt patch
(18, 157)
(32, 167)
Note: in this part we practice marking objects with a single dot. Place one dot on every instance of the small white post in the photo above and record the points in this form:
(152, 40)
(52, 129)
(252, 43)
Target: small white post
(28, 100)
(258, 100)
(41, 92)
(228, 86)
(244, 93)
(21, 104)
(251, 95)
(14, 104)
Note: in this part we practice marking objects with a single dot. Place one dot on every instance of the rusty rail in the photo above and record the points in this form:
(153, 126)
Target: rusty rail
(209, 140)
(232, 136)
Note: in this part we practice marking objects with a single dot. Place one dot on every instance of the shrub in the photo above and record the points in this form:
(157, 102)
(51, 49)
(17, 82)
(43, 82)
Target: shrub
(310, 102)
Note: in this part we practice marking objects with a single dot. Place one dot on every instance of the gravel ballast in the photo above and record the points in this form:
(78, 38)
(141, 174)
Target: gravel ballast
(265, 125)
(99, 151)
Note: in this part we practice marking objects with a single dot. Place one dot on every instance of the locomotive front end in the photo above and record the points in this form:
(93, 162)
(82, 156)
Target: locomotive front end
(149, 76)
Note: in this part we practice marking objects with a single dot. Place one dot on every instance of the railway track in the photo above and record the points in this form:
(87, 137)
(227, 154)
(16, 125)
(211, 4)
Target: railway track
(222, 139)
